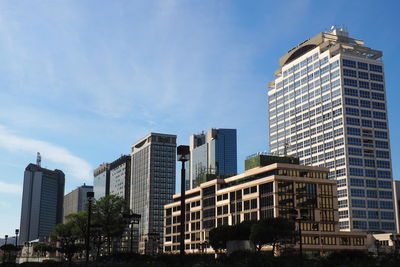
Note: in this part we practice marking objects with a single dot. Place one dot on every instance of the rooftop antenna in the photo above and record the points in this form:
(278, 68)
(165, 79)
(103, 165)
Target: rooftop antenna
(38, 159)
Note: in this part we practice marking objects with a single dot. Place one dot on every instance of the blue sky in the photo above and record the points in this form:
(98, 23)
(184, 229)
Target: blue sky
(80, 81)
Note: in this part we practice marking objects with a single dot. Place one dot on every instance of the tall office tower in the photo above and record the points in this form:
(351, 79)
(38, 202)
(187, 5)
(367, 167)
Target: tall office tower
(76, 200)
(327, 106)
(120, 177)
(212, 153)
(152, 186)
(101, 181)
(42, 202)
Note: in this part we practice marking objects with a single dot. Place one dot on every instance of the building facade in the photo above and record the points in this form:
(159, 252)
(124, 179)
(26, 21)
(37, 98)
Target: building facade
(327, 106)
(153, 162)
(120, 177)
(101, 181)
(212, 153)
(42, 202)
(275, 190)
(396, 185)
(76, 200)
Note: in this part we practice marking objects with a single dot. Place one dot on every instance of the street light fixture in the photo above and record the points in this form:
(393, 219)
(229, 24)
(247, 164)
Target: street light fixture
(183, 153)
(16, 236)
(90, 197)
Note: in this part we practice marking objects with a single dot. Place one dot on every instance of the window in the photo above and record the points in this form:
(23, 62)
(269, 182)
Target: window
(383, 164)
(377, 86)
(381, 144)
(349, 63)
(359, 224)
(376, 77)
(353, 121)
(342, 203)
(379, 115)
(351, 101)
(378, 105)
(356, 182)
(350, 82)
(382, 154)
(372, 194)
(341, 182)
(359, 214)
(386, 205)
(385, 194)
(357, 192)
(344, 225)
(380, 134)
(384, 174)
(387, 215)
(369, 163)
(376, 68)
(363, 84)
(384, 184)
(373, 225)
(355, 151)
(362, 65)
(365, 103)
(342, 193)
(363, 75)
(365, 113)
(388, 226)
(350, 73)
(364, 94)
(372, 214)
(355, 162)
(370, 183)
(343, 214)
(352, 111)
(356, 172)
(358, 203)
(378, 96)
(353, 131)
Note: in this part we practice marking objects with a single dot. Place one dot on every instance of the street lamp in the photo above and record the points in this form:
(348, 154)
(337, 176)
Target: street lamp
(132, 219)
(16, 236)
(183, 153)
(298, 215)
(90, 197)
(4, 253)
(6, 238)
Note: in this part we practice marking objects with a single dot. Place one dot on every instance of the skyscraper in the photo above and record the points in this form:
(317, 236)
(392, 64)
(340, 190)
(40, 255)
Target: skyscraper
(152, 186)
(42, 202)
(76, 200)
(327, 106)
(212, 153)
(101, 181)
(120, 177)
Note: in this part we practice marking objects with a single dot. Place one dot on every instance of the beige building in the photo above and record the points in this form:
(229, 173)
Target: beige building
(76, 200)
(270, 187)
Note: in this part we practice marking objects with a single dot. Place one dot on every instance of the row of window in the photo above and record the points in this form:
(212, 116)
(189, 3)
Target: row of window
(364, 94)
(361, 65)
(373, 204)
(364, 103)
(365, 113)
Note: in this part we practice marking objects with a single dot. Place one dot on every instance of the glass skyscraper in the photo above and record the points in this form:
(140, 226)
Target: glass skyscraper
(327, 106)
(212, 153)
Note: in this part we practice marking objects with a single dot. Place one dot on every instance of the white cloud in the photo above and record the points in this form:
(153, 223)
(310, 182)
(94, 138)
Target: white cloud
(72, 164)
(7, 188)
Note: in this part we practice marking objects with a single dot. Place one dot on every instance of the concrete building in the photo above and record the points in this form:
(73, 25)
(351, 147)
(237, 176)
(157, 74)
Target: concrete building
(327, 106)
(270, 187)
(120, 177)
(76, 200)
(152, 186)
(101, 181)
(212, 153)
(42, 202)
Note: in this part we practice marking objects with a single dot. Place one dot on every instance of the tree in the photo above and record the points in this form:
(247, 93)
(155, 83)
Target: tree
(108, 214)
(272, 231)
(66, 234)
(79, 219)
(8, 248)
(219, 236)
(42, 248)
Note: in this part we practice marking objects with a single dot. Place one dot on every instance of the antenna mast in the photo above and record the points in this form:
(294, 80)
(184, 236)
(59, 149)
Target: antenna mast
(38, 159)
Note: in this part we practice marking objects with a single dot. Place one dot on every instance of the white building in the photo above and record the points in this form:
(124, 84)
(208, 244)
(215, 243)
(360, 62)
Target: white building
(327, 106)
(152, 186)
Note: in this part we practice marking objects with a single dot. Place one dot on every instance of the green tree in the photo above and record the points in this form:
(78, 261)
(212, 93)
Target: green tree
(7, 249)
(67, 234)
(42, 248)
(219, 236)
(108, 214)
(79, 219)
(272, 231)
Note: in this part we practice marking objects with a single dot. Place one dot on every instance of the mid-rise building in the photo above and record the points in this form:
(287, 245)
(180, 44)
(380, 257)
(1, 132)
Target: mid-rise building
(101, 181)
(76, 200)
(212, 153)
(42, 202)
(152, 186)
(270, 187)
(327, 106)
(120, 177)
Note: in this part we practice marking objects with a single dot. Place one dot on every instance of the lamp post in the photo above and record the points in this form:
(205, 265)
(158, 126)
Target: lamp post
(183, 156)
(16, 236)
(6, 238)
(5, 243)
(90, 197)
(298, 216)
